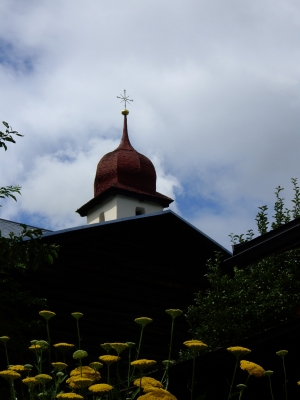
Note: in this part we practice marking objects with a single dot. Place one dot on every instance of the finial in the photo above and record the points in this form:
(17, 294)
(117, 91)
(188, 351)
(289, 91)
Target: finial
(124, 99)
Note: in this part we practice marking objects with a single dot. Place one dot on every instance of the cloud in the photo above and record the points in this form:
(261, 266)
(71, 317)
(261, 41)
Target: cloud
(216, 102)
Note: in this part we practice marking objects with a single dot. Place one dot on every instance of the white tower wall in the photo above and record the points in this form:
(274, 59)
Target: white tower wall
(120, 206)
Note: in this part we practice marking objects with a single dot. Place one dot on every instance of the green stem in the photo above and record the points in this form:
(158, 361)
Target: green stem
(48, 334)
(12, 390)
(241, 394)
(138, 352)
(108, 377)
(271, 388)
(193, 377)
(169, 358)
(233, 377)
(128, 375)
(140, 383)
(139, 348)
(78, 334)
(286, 396)
(7, 360)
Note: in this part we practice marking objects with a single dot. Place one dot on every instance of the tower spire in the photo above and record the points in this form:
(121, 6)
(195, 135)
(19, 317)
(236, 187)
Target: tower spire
(125, 142)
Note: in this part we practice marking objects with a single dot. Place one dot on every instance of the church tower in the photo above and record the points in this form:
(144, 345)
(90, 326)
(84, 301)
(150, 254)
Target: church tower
(124, 186)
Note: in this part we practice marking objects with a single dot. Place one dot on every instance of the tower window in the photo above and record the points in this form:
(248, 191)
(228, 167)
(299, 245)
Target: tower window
(139, 211)
(101, 217)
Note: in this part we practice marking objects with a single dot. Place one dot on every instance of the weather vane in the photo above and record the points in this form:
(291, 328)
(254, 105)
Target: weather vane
(124, 98)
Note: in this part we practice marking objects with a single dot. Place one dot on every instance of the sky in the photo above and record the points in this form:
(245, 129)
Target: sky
(216, 89)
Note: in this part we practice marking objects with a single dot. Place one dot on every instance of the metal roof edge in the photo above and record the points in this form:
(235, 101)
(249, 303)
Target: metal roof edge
(116, 221)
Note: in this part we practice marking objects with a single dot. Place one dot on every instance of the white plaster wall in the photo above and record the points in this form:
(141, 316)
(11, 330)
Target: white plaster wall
(119, 206)
(126, 206)
(109, 207)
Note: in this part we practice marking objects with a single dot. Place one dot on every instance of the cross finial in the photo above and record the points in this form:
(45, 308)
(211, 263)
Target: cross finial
(124, 98)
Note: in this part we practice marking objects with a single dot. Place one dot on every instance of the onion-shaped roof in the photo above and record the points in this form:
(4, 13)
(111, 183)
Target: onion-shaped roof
(125, 168)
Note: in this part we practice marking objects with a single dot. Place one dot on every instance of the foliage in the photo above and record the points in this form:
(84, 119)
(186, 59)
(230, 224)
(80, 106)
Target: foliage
(18, 255)
(252, 299)
(6, 136)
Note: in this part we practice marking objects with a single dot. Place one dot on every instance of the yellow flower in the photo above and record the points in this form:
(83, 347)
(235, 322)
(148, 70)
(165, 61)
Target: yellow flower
(96, 365)
(106, 346)
(70, 396)
(17, 368)
(43, 378)
(63, 346)
(31, 382)
(4, 339)
(174, 312)
(47, 314)
(100, 388)
(35, 347)
(239, 351)
(143, 364)
(147, 381)
(195, 345)
(143, 321)
(80, 354)
(108, 360)
(154, 394)
(81, 382)
(119, 347)
(9, 375)
(59, 365)
(87, 372)
(252, 368)
(77, 315)
(28, 367)
(282, 353)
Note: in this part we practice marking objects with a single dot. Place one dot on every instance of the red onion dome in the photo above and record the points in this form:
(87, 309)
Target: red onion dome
(125, 168)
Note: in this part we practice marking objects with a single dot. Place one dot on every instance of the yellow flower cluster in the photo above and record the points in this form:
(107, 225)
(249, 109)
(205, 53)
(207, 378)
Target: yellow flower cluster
(154, 394)
(70, 396)
(47, 314)
(239, 351)
(87, 373)
(147, 381)
(43, 378)
(60, 366)
(143, 364)
(31, 382)
(18, 368)
(252, 368)
(282, 353)
(35, 347)
(96, 365)
(100, 388)
(143, 321)
(108, 360)
(81, 382)
(63, 346)
(195, 345)
(9, 375)
(119, 347)
(77, 315)
(174, 312)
